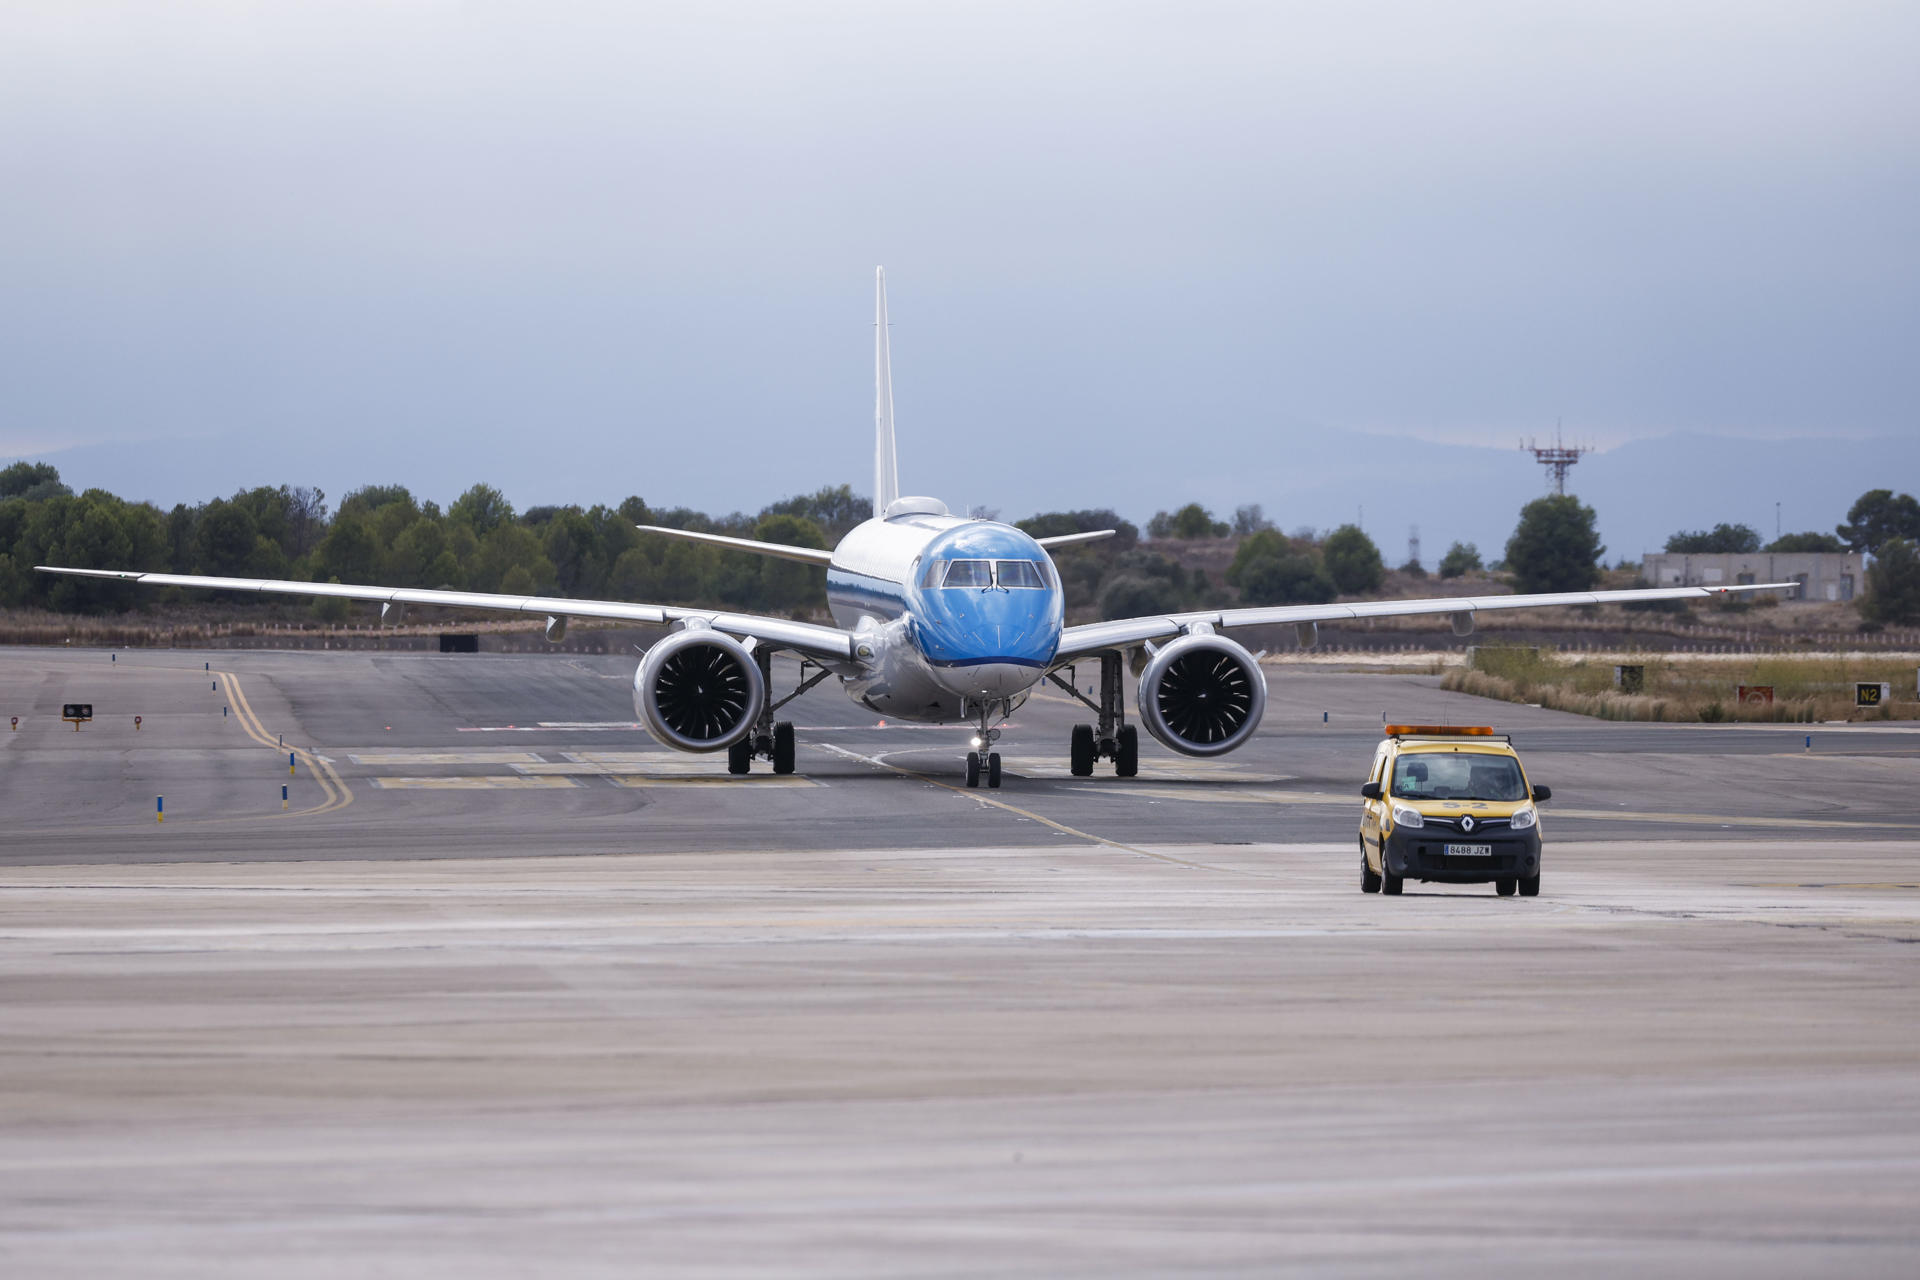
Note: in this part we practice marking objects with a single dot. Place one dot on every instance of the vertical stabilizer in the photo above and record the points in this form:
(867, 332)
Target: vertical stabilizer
(886, 467)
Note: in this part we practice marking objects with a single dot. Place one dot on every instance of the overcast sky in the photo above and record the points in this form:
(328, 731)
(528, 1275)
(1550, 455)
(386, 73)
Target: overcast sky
(585, 250)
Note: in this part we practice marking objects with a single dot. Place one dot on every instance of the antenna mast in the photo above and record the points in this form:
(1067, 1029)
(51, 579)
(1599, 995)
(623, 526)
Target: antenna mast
(1557, 457)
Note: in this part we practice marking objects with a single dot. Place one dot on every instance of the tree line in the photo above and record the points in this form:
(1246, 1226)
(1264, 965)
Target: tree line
(384, 534)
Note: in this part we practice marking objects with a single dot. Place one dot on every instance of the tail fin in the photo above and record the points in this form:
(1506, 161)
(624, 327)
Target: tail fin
(886, 466)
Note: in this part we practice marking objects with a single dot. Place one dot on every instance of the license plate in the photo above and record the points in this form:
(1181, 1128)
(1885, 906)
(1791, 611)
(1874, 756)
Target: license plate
(1469, 851)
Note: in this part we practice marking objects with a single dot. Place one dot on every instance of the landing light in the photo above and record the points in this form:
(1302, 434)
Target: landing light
(975, 743)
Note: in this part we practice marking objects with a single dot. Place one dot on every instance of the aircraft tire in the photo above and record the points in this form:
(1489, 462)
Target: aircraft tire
(1128, 762)
(740, 756)
(973, 768)
(993, 769)
(1080, 754)
(783, 746)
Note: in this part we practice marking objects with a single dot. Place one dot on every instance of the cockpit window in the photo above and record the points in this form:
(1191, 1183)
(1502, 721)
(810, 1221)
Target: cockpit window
(968, 573)
(1019, 575)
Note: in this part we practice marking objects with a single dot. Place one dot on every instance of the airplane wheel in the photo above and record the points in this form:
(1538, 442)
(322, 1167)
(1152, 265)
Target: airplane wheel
(973, 768)
(1530, 886)
(783, 747)
(1369, 878)
(1080, 756)
(993, 769)
(740, 756)
(1128, 762)
(1505, 888)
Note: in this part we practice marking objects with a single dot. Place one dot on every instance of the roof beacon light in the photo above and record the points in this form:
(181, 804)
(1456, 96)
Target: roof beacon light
(1436, 730)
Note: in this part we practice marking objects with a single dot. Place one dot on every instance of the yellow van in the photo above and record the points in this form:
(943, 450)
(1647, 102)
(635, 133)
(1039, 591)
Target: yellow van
(1450, 804)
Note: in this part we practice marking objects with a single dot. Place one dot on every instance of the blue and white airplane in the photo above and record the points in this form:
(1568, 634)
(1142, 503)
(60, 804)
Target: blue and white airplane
(941, 619)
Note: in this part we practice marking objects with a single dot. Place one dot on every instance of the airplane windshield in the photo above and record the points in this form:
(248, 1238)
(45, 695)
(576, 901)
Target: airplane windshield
(1019, 575)
(1457, 776)
(968, 573)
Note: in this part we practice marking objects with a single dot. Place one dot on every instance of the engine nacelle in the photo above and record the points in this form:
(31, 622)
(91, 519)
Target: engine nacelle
(1202, 695)
(699, 690)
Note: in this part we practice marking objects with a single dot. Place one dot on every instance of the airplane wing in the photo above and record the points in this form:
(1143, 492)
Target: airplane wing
(1073, 539)
(778, 550)
(804, 637)
(1126, 632)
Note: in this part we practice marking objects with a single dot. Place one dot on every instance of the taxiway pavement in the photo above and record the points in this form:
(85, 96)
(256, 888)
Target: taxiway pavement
(508, 991)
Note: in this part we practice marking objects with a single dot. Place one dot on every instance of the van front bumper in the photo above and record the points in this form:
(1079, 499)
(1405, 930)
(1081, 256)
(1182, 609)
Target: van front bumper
(1420, 854)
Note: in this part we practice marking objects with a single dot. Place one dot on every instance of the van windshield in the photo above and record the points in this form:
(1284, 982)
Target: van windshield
(1461, 775)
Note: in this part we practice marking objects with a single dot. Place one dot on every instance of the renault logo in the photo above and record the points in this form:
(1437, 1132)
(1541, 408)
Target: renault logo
(1466, 823)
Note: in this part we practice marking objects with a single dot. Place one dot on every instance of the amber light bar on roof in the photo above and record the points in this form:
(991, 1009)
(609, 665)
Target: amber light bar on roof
(1434, 730)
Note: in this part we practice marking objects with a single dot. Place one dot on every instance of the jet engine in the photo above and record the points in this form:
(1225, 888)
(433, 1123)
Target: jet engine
(699, 690)
(1202, 695)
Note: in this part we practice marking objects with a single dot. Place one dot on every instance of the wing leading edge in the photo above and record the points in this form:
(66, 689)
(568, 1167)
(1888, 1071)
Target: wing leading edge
(806, 637)
(1095, 636)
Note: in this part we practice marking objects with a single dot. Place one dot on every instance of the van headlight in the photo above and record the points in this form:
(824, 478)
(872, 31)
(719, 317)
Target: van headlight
(1525, 818)
(1405, 815)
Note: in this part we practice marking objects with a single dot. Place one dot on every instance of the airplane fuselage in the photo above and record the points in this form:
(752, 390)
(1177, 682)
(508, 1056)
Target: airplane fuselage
(958, 617)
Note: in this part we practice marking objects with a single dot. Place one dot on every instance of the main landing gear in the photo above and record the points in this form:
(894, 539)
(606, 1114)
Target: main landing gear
(1111, 738)
(771, 739)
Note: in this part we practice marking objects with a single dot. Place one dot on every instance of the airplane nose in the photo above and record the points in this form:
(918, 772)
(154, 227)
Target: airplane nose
(987, 680)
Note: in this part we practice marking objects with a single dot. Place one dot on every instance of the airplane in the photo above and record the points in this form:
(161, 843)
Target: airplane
(939, 619)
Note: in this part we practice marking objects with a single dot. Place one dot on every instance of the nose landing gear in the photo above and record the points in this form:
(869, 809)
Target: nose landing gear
(987, 761)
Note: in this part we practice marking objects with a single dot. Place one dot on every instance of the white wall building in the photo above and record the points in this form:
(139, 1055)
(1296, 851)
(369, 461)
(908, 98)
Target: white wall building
(1822, 575)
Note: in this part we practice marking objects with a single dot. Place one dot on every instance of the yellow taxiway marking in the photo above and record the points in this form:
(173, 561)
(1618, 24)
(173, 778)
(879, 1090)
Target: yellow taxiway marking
(1263, 795)
(1177, 770)
(500, 782)
(651, 761)
(752, 781)
(335, 792)
(390, 758)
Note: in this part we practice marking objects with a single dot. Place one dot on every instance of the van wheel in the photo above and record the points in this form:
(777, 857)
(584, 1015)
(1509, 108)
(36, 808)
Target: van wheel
(1389, 883)
(1369, 878)
(1505, 888)
(1530, 887)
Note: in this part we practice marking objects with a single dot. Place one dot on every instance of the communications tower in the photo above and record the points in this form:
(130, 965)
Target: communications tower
(1557, 457)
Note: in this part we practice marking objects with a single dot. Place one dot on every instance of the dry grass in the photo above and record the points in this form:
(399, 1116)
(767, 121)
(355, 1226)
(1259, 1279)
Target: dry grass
(1806, 688)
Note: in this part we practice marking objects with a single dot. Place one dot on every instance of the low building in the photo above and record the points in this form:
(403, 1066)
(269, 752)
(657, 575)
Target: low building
(1822, 575)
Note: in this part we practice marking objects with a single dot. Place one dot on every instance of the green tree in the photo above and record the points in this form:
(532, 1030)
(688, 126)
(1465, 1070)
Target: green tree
(1878, 516)
(224, 538)
(786, 585)
(510, 547)
(1808, 541)
(1054, 524)
(1353, 562)
(348, 553)
(1138, 595)
(1194, 521)
(834, 508)
(482, 508)
(1735, 539)
(1555, 547)
(32, 482)
(1270, 569)
(1249, 520)
(1893, 584)
(1461, 559)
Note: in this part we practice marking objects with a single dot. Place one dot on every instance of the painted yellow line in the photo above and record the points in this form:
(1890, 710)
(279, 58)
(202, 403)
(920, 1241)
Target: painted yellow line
(391, 758)
(752, 781)
(335, 792)
(500, 782)
(974, 793)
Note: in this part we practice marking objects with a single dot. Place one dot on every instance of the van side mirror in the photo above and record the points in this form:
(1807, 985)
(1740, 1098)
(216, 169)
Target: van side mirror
(1542, 793)
(1370, 791)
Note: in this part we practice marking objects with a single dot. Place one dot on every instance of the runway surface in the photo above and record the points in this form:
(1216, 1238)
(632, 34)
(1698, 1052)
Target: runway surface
(507, 990)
